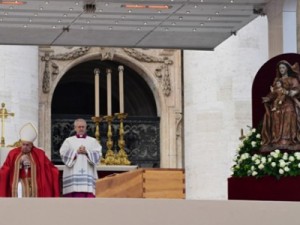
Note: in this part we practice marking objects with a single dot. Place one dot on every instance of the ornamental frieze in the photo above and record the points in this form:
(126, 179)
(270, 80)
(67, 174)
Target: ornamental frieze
(72, 54)
(162, 72)
(51, 69)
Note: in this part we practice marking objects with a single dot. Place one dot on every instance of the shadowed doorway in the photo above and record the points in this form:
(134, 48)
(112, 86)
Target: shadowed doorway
(74, 97)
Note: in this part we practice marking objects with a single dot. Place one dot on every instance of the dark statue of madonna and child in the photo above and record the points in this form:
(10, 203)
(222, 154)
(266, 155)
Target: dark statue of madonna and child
(281, 122)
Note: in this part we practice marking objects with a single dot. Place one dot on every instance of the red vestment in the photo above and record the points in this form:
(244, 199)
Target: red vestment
(44, 176)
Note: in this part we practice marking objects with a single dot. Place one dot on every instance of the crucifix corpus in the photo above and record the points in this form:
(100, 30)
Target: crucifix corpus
(3, 115)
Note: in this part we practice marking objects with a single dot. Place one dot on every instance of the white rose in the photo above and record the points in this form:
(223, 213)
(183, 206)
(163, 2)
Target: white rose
(245, 156)
(258, 136)
(253, 167)
(286, 169)
(269, 159)
(261, 166)
(263, 159)
(299, 165)
(297, 155)
(285, 156)
(257, 161)
(253, 143)
(277, 151)
(254, 173)
(281, 171)
(282, 163)
(255, 156)
(291, 158)
(273, 164)
(253, 130)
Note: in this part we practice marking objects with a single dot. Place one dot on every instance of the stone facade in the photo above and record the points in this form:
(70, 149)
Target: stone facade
(19, 88)
(161, 69)
(217, 104)
(216, 91)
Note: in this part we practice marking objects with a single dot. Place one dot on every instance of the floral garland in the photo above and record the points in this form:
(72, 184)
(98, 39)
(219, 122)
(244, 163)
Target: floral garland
(276, 163)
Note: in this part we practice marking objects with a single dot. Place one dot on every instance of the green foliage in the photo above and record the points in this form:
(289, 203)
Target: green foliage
(276, 163)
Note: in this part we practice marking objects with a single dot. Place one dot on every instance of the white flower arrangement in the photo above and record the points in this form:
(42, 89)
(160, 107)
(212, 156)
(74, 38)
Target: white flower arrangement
(250, 162)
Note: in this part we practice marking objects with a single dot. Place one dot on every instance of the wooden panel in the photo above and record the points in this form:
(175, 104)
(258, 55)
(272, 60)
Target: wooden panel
(164, 183)
(125, 185)
(164, 194)
(164, 175)
(143, 183)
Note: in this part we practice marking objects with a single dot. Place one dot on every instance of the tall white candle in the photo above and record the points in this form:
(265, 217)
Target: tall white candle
(108, 73)
(121, 88)
(97, 92)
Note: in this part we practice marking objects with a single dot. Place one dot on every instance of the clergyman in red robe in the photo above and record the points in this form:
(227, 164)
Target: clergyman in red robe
(27, 171)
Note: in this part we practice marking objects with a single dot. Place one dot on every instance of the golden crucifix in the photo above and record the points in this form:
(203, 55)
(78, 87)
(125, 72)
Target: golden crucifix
(3, 114)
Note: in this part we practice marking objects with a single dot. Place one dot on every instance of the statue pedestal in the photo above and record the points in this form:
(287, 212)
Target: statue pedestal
(265, 188)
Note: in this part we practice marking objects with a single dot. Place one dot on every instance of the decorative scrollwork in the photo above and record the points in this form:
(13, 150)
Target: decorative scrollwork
(166, 82)
(55, 70)
(142, 57)
(107, 53)
(162, 72)
(46, 75)
(52, 69)
(72, 54)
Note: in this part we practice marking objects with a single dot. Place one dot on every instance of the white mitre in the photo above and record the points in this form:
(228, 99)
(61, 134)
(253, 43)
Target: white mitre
(28, 133)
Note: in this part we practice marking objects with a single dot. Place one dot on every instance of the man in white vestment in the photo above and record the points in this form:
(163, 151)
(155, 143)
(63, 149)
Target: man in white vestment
(80, 154)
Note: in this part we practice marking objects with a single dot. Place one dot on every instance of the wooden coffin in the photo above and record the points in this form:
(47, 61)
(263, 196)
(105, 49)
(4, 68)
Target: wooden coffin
(143, 183)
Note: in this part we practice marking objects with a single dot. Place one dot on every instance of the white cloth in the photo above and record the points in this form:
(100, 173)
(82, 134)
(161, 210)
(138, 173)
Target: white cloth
(80, 172)
(19, 189)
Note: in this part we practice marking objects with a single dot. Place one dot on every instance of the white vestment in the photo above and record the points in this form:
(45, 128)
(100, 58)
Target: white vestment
(80, 172)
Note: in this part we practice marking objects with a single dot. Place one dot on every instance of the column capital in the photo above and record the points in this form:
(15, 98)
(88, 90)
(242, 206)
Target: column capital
(121, 68)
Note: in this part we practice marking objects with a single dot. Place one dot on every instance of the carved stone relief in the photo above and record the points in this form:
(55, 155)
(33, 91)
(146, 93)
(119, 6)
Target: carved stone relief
(52, 69)
(161, 72)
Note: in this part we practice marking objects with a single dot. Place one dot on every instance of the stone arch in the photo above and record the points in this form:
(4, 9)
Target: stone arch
(169, 157)
(142, 70)
(145, 74)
